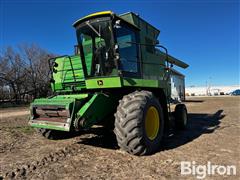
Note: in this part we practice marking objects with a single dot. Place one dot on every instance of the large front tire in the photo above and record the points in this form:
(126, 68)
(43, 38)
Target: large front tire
(139, 123)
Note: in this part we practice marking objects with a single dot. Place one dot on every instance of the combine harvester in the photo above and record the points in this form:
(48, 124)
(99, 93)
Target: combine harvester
(118, 69)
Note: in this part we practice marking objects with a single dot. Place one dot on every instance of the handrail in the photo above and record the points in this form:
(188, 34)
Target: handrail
(72, 68)
(64, 56)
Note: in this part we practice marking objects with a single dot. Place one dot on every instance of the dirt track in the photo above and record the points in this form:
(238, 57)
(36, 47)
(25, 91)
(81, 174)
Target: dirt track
(213, 135)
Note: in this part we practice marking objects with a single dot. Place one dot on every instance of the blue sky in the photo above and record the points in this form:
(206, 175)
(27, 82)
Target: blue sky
(205, 34)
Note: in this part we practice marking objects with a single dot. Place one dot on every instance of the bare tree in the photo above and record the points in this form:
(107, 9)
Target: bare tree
(38, 70)
(12, 72)
(25, 71)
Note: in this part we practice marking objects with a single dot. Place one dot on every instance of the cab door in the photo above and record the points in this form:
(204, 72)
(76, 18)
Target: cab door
(128, 48)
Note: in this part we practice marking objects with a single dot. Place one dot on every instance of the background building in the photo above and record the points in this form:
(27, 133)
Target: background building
(210, 90)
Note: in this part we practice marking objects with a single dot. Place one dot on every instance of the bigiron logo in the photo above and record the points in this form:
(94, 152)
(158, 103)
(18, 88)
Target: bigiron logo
(201, 171)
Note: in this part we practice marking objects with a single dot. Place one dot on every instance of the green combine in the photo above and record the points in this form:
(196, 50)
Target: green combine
(119, 69)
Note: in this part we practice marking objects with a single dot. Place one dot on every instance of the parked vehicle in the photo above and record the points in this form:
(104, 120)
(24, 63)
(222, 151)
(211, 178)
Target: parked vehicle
(235, 92)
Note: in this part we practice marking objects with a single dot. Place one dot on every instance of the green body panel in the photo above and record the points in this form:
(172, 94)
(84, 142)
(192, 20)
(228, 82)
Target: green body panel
(144, 26)
(97, 108)
(118, 82)
(104, 82)
(144, 83)
(60, 99)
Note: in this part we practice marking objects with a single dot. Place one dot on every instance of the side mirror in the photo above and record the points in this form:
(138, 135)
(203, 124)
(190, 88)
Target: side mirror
(117, 24)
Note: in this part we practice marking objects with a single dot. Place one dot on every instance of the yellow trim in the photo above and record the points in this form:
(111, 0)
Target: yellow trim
(103, 13)
(152, 123)
(94, 14)
(97, 14)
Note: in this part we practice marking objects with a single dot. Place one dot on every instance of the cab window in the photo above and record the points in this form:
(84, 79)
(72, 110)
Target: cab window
(126, 40)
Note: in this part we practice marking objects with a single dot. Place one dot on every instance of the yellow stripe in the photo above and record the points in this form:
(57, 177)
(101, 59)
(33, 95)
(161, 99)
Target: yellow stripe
(94, 14)
(97, 14)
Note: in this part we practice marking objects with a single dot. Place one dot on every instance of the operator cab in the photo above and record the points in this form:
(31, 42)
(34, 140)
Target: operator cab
(108, 45)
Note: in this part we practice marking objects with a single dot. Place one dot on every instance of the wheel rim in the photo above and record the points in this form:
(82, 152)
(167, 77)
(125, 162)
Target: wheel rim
(152, 123)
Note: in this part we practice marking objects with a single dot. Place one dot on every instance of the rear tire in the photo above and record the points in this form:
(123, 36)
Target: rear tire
(139, 123)
(181, 118)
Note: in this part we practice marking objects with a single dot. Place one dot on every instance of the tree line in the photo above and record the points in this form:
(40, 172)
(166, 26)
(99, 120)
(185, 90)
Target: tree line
(24, 73)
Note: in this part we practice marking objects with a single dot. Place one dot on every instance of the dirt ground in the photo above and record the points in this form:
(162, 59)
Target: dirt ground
(212, 135)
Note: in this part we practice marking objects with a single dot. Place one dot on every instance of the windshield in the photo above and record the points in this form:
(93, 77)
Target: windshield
(95, 39)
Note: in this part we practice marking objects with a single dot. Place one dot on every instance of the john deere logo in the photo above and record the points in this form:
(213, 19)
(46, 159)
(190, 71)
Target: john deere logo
(100, 82)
